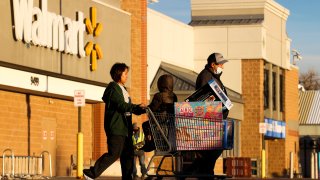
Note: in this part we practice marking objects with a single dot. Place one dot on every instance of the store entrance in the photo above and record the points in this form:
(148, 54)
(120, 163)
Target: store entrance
(49, 143)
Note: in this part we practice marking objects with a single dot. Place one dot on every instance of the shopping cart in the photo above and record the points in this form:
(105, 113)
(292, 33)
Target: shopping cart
(174, 134)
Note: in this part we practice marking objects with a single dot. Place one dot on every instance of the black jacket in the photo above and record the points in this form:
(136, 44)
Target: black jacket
(115, 121)
(206, 75)
(163, 101)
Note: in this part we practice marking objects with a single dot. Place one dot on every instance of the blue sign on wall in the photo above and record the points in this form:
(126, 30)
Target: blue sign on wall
(275, 129)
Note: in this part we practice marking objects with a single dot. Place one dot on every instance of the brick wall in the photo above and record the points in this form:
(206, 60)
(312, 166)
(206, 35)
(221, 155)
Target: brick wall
(291, 94)
(14, 127)
(291, 116)
(138, 10)
(275, 158)
(277, 151)
(252, 89)
(13, 122)
(100, 139)
(138, 90)
(66, 116)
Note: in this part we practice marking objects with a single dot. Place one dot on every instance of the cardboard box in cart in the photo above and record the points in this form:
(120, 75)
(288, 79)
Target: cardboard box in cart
(199, 125)
(208, 90)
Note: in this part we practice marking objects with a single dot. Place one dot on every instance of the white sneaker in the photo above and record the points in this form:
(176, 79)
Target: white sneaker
(87, 177)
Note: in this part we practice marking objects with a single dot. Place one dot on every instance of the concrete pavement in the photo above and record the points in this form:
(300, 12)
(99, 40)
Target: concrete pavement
(172, 178)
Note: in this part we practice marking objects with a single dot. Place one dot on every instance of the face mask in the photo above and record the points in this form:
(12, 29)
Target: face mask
(218, 70)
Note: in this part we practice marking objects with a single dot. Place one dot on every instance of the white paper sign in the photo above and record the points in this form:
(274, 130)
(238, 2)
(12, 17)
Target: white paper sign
(79, 98)
(262, 128)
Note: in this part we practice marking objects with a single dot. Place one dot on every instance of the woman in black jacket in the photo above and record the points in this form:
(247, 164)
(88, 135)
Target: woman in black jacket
(117, 125)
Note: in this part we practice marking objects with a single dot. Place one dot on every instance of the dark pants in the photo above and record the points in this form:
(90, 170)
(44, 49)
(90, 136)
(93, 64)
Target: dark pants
(140, 155)
(118, 146)
(205, 162)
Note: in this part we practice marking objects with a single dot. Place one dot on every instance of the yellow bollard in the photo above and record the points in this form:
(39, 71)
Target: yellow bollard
(263, 163)
(80, 155)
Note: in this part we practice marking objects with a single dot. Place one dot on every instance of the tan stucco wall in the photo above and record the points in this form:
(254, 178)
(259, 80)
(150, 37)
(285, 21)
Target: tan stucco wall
(169, 41)
(226, 7)
(118, 41)
(114, 40)
(234, 42)
(17, 52)
(115, 3)
(277, 45)
(309, 130)
(268, 40)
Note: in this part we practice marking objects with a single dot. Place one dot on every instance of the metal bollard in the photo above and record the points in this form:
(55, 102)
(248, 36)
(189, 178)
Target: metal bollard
(50, 166)
(3, 161)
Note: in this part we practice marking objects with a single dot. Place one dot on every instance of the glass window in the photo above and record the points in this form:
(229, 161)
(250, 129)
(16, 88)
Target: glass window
(274, 94)
(178, 84)
(281, 92)
(266, 89)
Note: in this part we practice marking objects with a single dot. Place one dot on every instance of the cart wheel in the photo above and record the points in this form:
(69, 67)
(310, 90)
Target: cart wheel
(149, 178)
(180, 178)
(220, 177)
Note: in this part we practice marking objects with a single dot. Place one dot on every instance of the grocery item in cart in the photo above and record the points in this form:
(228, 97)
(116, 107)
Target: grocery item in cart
(198, 125)
(209, 90)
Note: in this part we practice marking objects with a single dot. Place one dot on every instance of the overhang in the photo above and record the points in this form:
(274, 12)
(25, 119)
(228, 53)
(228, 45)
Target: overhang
(227, 20)
(309, 106)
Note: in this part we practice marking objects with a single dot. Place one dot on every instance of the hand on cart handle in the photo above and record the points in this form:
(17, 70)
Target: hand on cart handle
(143, 106)
(140, 109)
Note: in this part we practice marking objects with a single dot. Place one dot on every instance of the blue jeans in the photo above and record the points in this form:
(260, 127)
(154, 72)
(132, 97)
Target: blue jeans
(139, 154)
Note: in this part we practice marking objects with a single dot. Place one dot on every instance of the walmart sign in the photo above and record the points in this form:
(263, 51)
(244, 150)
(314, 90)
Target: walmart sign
(49, 29)
(55, 31)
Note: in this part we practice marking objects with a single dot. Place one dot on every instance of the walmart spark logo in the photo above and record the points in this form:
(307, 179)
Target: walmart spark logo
(95, 29)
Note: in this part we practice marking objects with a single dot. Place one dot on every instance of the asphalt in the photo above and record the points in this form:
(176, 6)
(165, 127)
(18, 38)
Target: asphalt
(147, 178)
(172, 178)
(150, 178)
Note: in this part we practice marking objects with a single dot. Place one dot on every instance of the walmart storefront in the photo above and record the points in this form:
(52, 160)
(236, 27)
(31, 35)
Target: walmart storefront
(49, 49)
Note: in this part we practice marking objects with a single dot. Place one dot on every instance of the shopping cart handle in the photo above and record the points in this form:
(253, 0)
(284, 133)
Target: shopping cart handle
(160, 139)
